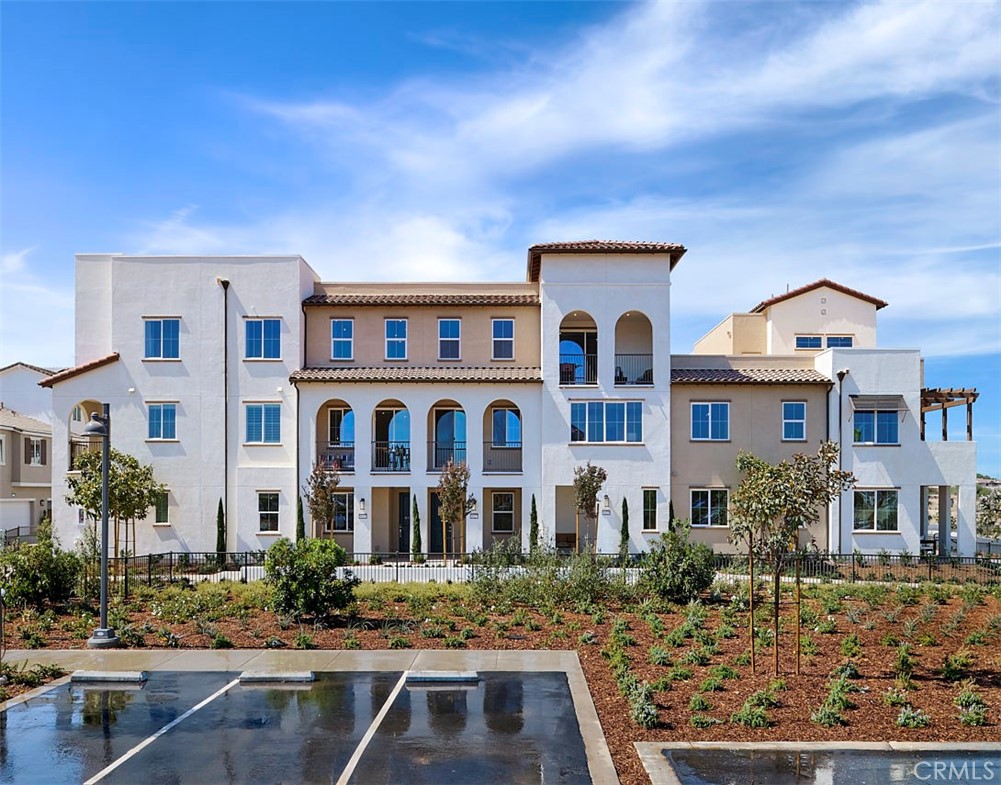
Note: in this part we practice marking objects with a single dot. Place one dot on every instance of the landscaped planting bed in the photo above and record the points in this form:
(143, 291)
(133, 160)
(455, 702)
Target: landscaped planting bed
(878, 662)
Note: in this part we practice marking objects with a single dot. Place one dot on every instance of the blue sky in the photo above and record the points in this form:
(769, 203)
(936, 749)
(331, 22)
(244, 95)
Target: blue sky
(780, 142)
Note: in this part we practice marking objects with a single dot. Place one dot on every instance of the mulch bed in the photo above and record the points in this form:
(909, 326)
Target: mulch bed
(872, 720)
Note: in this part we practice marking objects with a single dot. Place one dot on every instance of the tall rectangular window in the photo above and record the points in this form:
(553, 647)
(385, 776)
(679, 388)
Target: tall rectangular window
(342, 339)
(710, 421)
(396, 339)
(502, 513)
(34, 451)
(875, 510)
(793, 421)
(506, 428)
(163, 340)
(162, 421)
(341, 426)
(606, 421)
(503, 339)
(808, 342)
(161, 508)
(263, 339)
(649, 509)
(839, 342)
(876, 427)
(448, 339)
(264, 423)
(709, 506)
(343, 519)
(267, 511)
(3, 449)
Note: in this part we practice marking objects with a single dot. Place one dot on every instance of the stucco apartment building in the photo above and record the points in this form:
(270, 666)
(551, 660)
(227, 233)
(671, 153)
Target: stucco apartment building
(234, 376)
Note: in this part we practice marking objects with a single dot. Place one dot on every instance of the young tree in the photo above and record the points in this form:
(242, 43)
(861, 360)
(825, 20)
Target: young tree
(454, 501)
(587, 483)
(533, 528)
(624, 533)
(300, 523)
(132, 489)
(772, 503)
(220, 530)
(319, 492)
(416, 546)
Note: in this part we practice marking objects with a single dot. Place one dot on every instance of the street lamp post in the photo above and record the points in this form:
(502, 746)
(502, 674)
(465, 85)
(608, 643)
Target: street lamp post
(100, 425)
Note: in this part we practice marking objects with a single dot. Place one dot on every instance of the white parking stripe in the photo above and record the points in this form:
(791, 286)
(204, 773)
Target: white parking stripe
(146, 742)
(360, 749)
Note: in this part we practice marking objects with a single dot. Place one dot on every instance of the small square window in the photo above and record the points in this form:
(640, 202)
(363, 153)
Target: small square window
(449, 339)
(162, 425)
(876, 427)
(263, 339)
(709, 506)
(264, 423)
(875, 510)
(162, 339)
(710, 421)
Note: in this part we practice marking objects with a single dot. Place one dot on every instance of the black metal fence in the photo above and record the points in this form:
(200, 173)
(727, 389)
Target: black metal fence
(161, 569)
(24, 534)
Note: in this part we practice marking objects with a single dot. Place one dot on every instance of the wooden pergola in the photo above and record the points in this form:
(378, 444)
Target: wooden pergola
(942, 399)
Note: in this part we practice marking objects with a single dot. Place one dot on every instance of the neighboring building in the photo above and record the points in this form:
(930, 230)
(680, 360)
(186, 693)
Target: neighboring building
(25, 471)
(234, 376)
(20, 391)
(871, 401)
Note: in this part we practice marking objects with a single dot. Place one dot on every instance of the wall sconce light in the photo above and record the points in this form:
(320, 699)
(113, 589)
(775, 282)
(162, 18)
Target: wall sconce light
(607, 502)
(361, 504)
(472, 505)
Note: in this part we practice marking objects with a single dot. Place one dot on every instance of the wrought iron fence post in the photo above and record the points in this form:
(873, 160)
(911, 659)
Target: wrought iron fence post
(853, 567)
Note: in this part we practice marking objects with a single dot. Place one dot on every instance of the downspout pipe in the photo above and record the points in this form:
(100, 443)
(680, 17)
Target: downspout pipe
(224, 283)
(841, 453)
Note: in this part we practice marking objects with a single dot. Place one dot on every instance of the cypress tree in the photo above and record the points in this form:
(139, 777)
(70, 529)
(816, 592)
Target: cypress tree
(300, 523)
(624, 533)
(220, 530)
(416, 547)
(533, 528)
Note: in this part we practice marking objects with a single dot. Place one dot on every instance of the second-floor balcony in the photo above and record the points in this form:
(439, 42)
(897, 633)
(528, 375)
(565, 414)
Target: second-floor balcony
(390, 456)
(633, 369)
(441, 452)
(81, 448)
(504, 457)
(336, 456)
(578, 369)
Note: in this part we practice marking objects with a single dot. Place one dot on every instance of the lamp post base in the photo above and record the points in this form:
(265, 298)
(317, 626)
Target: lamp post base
(103, 638)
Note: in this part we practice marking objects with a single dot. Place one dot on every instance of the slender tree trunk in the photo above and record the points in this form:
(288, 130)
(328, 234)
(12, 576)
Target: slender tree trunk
(775, 615)
(577, 530)
(798, 609)
(750, 600)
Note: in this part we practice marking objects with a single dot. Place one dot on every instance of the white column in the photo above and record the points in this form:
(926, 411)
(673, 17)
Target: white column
(475, 522)
(944, 521)
(966, 520)
(363, 520)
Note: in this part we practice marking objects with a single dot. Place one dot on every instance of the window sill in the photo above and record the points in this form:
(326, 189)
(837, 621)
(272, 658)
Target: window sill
(607, 444)
(162, 441)
(269, 534)
(262, 359)
(342, 359)
(794, 441)
(162, 525)
(502, 359)
(657, 531)
(450, 359)
(710, 526)
(495, 531)
(396, 359)
(875, 444)
(161, 359)
(709, 441)
(262, 444)
(339, 531)
(873, 531)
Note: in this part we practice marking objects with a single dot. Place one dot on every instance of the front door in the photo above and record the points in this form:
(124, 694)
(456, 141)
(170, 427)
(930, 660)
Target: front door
(403, 536)
(435, 527)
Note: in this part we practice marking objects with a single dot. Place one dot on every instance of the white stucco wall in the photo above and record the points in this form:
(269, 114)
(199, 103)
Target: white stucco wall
(606, 287)
(19, 391)
(908, 466)
(822, 311)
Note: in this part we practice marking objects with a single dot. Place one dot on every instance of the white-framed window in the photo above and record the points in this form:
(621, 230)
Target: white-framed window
(161, 422)
(709, 506)
(503, 339)
(267, 511)
(840, 341)
(502, 512)
(506, 430)
(809, 342)
(3, 449)
(341, 426)
(710, 421)
(34, 451)
(77, 414)
(449, 339)
(876, 427)
(396, 339)
(264, 423)
(161, 508)
(794, 421)
(344, 513)
(875, 510)
(342, 339)
(649, 509)
(163, 338)
(606, 421)
(263, 339)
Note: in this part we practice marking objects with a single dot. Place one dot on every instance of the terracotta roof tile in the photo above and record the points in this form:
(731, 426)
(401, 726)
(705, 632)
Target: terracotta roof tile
(676, 251)
(817, 285)
(406, 374)
(747, 376)
(450, 299)
(69, 373)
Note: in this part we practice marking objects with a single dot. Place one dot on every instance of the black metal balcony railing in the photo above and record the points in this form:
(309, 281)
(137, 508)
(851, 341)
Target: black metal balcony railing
(578, 369)
(633, 369)
(504, 457)
(440, 453)
(338, 456)
(390, 456)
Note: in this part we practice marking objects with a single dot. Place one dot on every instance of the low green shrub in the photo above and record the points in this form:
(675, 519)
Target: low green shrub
(909, 717)
(699, 702)
(750, 717)
(677, 569)
(303, 577)
(702, 721)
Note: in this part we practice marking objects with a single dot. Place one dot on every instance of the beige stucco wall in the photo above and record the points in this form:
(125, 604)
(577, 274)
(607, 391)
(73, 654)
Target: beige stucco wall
(822, 311)
(738, 333)
(476, 337)
(755, 426)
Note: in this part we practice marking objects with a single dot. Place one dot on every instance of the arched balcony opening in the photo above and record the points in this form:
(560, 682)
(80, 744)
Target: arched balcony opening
(335, 436)
(578, 349)
(391, 437)
(633, 350)
(502, 447)
(79, 444)
(447, 426)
